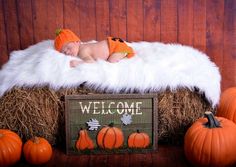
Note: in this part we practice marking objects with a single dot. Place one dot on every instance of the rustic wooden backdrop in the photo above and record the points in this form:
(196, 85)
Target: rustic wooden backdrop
(209, 25)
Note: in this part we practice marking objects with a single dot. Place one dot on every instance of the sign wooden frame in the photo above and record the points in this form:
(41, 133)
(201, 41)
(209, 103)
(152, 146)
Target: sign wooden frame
(142, 103)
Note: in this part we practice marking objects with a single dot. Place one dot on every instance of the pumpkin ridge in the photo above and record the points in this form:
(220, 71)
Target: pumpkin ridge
(217, 136)
(193, 136)
(196, 142)
(12, 147)
(231, 109)
(144, 139)
(38, 159)
(4, 156)
(33, 152)
(100, 136)
(115, 137)
(227, 107)
(103, 139)
(16, 139)
(130, 140)
(134, 140)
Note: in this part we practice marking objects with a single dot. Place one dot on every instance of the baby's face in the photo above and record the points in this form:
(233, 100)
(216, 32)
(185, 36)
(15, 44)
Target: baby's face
(71, 48)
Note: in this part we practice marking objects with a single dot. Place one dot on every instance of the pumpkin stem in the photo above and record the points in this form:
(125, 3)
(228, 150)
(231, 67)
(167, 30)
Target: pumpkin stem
(111, 124)
(58, 31)
(212, 121)
(138, 131)
(35, 140)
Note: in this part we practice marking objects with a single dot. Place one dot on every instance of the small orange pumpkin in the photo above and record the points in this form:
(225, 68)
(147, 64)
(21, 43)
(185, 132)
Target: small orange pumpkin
(210, 141)
(84, 141)
(227, 105)
(10, 147)
(37, 151)
(138, 140)
(110, 137)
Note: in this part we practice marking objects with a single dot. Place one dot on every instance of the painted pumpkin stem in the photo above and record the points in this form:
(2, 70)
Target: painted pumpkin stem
(212, 121)
(111, 124)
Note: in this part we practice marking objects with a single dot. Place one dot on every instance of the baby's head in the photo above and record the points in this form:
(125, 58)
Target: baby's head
(66, 42)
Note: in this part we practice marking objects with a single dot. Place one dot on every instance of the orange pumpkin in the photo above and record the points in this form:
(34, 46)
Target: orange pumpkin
(227, 105)
(110, 137)
(138, 140)
(63, 36)
(10, 147)
(210, 141)
(84, 141)
(37, 151)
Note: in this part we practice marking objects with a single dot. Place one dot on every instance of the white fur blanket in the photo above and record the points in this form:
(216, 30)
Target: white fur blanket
(156, 67)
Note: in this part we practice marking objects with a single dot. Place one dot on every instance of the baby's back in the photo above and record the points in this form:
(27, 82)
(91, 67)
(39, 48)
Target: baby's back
(100, 50)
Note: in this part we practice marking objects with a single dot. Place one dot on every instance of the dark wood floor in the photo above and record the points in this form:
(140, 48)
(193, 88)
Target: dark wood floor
(166, 156)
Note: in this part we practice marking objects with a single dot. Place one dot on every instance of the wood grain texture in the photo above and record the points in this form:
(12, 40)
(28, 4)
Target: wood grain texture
(169, 21)
(152, 20)
(3, 37)
(11, 25)
(87, 20)
(185, 22)
(199, 25)
(55, 17)
(25, 16)
(135, 20)
(214, 31)
(102, 19)
(118, 18)
(40, 20)
(229, 46)
(71, 15)
(165, 157)
(116, 159)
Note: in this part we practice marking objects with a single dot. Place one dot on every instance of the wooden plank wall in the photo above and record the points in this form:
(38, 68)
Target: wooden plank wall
(209, 25)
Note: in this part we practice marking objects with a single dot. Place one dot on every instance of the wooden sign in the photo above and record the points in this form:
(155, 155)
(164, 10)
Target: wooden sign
(110, 123)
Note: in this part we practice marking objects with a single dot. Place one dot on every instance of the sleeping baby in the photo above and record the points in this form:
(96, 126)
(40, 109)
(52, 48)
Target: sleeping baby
(112, 49)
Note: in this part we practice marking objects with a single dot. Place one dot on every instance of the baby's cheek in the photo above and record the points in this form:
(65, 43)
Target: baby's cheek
(75, 52)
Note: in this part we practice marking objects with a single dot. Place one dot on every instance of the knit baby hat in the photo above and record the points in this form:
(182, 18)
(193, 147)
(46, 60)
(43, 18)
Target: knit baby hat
(63, 36)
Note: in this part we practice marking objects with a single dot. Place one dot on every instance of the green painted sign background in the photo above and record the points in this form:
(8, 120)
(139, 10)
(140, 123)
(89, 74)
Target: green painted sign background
(110, 109)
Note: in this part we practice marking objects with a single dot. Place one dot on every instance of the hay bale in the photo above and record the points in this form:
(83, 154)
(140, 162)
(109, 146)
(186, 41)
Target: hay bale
(40, 111)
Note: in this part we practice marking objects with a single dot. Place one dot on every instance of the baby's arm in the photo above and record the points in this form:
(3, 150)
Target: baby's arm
(85, 59)
(74, 63)
(116, 57)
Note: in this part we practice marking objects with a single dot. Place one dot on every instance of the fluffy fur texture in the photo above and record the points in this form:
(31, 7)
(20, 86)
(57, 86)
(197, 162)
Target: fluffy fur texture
(156, 67)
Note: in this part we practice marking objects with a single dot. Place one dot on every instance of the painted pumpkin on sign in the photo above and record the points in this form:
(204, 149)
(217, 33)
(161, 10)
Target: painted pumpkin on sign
(227, 105)
(110, 137)
(138, 140)
(10, 147)
(37, 151)
(84, 141)
(210, 141)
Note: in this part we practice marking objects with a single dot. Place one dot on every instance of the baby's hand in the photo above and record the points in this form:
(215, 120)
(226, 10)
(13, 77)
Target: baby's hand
(74, 63)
